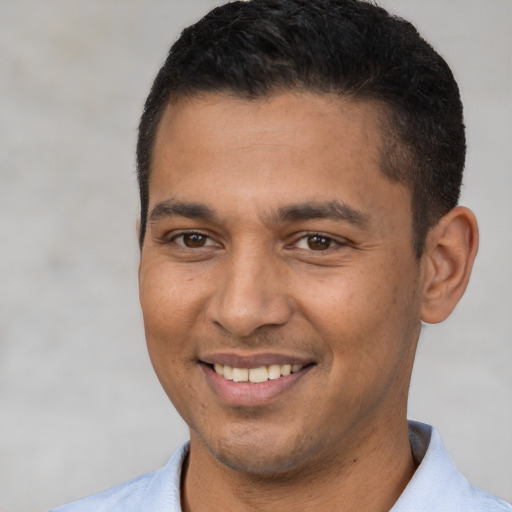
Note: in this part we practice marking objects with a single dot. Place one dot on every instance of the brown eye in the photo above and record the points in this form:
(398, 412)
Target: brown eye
(194, 240)
(318, 242)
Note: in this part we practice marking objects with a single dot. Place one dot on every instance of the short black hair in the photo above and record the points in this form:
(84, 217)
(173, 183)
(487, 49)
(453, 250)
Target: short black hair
(350, 48)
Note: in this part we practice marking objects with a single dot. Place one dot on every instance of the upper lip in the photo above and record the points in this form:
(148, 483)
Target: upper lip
(237, 360)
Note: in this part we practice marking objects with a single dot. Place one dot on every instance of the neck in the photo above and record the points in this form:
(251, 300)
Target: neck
(369, 476)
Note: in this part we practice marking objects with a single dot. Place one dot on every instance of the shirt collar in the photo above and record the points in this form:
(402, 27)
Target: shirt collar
(436, 484)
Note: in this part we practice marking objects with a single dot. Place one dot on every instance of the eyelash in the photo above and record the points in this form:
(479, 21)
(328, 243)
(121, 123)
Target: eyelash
(183, 234)
(323, 239)
(304, 238)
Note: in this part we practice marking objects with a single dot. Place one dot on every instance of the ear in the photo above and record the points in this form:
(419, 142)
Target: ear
(447, 260)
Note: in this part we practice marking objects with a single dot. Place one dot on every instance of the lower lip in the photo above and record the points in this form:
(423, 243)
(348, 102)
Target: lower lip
(248, 393)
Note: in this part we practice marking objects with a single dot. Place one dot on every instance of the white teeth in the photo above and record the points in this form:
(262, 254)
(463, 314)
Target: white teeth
(240, 374)
(274, 371)
(256, 375)
(228, 372)
(286, 369)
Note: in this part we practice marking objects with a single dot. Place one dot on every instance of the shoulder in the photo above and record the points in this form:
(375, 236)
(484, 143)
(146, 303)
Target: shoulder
(159, 490)
(124, 497)
(437, 485)
(484, 501)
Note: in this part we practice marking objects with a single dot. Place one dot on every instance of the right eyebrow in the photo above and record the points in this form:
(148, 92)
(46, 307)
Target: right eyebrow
(333, 210)
(171, 208)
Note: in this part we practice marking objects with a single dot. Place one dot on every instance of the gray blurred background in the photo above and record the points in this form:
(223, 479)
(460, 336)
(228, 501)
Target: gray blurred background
(80, 408)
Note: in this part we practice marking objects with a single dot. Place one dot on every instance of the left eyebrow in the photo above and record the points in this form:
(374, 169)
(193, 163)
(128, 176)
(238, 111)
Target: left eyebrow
(331, 210)
(171, 208)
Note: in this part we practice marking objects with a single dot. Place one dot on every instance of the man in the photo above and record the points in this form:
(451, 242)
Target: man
(299, 168)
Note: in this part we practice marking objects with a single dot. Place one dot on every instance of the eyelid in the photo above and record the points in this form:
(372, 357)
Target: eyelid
(336, 240)
(174, 235)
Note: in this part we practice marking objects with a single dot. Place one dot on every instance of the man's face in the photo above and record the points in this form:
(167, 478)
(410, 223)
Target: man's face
(274, 240)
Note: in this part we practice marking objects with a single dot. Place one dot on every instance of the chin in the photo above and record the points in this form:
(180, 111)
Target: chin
(260, 454)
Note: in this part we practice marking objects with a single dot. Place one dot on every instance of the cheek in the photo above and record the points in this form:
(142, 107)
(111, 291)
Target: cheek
(170, 302)
(365, 315)
(168, 321)
(346, 303)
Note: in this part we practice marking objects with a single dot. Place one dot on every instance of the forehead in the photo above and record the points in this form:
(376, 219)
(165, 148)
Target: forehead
(293, 113)
(296, 124)
(285, 148)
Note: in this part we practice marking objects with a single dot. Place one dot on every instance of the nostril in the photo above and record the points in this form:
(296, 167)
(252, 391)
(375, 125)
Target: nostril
(243, 316)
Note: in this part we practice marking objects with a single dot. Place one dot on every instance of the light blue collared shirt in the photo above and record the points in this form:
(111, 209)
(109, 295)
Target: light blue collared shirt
(436, 486)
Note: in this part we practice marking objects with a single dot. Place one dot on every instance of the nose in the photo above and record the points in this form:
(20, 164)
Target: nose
(251, 294)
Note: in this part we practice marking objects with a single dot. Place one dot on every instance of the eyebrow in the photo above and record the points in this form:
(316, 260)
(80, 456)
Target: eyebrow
(171, 208)
(332, 210)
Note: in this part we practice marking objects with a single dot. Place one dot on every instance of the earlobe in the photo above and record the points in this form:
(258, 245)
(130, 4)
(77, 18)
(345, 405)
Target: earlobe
(450, 251)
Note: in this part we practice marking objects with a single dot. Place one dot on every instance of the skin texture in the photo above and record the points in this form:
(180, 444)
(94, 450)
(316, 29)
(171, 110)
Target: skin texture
(267, 275)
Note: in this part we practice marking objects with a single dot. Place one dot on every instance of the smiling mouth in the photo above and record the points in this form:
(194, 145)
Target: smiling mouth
(255, 380)
(256, 375)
